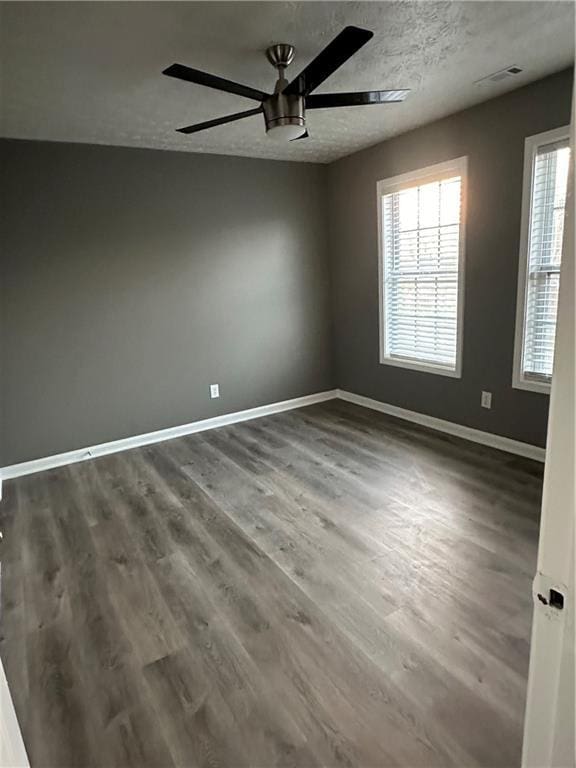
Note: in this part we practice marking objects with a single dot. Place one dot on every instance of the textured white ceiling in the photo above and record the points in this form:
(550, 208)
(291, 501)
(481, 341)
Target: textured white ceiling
(91, 71)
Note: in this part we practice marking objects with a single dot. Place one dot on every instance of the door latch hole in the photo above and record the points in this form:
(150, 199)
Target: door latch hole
(556, 599)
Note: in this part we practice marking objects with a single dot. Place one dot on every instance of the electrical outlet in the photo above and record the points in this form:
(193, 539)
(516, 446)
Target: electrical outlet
(486, 400)
(214, 390)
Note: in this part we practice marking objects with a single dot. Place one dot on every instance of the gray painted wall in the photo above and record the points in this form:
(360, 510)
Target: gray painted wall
(132, 279)
(492, 136)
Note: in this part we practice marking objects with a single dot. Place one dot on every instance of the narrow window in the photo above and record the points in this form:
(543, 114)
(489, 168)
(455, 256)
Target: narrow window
(546, 162)
(421, 268)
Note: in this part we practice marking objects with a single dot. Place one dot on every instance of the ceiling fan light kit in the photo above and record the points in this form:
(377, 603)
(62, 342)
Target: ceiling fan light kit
(286, 129)
(284, 110)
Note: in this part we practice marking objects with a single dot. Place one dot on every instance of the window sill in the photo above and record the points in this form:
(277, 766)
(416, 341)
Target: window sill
(532, 386)
(454, 373)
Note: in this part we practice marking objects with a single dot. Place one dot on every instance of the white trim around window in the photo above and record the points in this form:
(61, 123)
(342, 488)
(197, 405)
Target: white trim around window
(434, 173)
(531, 146)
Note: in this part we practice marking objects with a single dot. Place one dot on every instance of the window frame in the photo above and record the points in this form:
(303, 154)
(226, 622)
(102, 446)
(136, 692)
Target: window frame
(531, 146)
(456, 167)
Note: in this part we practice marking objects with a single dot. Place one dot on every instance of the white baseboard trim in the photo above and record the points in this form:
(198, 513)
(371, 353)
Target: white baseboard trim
(458, 430)
(93, 451)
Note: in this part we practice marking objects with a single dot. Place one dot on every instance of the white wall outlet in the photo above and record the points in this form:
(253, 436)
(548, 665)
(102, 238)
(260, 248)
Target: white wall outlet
(214, 390)
(486, 400)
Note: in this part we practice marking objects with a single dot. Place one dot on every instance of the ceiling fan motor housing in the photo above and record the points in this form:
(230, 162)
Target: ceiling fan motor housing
(280, 109)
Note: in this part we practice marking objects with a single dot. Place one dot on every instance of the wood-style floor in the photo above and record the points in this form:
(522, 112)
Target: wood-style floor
(323, 587)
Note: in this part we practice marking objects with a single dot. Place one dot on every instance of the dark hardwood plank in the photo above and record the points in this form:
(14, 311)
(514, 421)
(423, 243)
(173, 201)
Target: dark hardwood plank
(322, 587)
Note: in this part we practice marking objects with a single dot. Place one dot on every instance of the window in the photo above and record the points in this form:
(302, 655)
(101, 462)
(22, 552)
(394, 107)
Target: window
(546, 161)
(421, 218)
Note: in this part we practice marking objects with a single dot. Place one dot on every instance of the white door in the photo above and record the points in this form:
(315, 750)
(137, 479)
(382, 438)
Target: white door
(549, 728)
(12, 751)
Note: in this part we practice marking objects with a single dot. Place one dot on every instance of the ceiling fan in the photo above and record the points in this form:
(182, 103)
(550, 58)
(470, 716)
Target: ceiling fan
(285, 109)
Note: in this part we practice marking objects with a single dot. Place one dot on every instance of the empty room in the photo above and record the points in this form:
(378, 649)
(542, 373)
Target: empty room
(287, 385)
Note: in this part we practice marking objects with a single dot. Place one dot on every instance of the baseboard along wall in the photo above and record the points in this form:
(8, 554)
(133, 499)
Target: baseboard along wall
(449, 427)
(158, 436)
(103, 449)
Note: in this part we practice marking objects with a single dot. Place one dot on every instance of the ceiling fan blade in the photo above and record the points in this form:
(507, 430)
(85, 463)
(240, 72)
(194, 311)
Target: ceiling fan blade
(305, 135)
(219, 121)
(327, 100)
(182, 72)
(344, 45)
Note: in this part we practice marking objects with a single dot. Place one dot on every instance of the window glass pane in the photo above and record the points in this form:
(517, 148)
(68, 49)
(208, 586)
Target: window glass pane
(429, 205)
(450, 202)
(407, 202)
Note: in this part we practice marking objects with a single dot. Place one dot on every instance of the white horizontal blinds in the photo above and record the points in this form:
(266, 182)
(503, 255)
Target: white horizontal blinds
(549, 182)
(421, 228)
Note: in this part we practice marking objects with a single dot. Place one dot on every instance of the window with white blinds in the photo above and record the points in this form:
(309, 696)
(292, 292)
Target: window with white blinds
(546, 177)
(421, 252)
